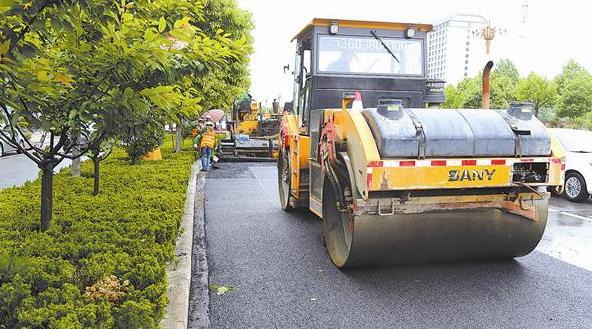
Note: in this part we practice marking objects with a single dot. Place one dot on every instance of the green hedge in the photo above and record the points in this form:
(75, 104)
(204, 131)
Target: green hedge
(102, 263)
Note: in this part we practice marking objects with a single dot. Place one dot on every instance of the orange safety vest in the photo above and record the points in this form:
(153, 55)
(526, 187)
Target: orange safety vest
(208, 139)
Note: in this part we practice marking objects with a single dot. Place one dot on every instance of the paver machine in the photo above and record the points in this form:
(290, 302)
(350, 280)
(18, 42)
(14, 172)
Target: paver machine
(253, 134)
(395, 179)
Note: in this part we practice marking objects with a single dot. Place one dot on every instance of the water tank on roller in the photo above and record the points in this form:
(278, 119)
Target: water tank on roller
(447, 134)
(534, 139)
(492, 135)
(395, 136)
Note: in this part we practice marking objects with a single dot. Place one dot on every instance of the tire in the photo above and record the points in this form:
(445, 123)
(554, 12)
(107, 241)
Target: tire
(1, 150)
(284, 179)
(337, 228)
(575, 188)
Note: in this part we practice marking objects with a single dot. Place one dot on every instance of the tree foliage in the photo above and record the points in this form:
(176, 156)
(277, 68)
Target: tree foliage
(221, 85)
(576, 98)
(538, 90)
(568, 97)
(468, 93)
(574, 85)
(506, 68)
(140, 135)
(502, 92)
(571, 71)
(463, 94)
(74, 67)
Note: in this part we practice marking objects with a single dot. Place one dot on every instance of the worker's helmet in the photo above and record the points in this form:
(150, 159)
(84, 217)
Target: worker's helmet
(208, 117)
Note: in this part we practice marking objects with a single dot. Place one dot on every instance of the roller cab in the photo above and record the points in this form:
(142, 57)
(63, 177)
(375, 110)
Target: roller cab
(398, 181)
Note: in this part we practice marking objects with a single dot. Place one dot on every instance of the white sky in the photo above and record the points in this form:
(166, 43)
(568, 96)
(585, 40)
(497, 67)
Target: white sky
(555, 31)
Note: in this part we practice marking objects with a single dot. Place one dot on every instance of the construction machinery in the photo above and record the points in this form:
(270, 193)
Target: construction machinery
(253, 134)
(394, 179)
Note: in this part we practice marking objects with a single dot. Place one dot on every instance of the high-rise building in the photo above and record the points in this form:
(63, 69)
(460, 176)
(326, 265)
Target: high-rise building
(453, 52)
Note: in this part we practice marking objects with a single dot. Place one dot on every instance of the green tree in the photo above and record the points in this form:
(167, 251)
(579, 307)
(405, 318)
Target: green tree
(538, 90)
(586, 121)
(506, 68)
(576, 98)
(454, 98)
(142, 134)
(463, 95)
(572, 70)
(502, 92)
(225, 83)
(72, 67)
(217, 85)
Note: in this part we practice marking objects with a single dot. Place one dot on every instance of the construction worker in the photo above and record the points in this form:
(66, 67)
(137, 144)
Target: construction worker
(207, 143)
(197, 128)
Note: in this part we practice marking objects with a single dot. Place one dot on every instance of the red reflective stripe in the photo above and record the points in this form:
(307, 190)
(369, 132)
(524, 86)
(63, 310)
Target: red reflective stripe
(526, 160)
(438, 162)
(498, 162)
(369, 181)
(375, 164)
(563, 166)
(469, 162)
(407, 163)
(555, 160)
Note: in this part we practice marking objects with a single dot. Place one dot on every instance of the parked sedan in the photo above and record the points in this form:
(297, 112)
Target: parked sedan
(578, 162)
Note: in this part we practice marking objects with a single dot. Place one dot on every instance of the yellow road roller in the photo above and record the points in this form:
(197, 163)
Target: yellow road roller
(395, 179)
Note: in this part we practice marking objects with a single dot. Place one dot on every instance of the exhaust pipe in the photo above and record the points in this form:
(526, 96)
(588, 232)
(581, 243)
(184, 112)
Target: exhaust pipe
(486, 71)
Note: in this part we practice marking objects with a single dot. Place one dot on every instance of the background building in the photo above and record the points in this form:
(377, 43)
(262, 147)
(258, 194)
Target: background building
(453, 51)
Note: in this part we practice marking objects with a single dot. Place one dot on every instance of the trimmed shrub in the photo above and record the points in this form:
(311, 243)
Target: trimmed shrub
(102, 263)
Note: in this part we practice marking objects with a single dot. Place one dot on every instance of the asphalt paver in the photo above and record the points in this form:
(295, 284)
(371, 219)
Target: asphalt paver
(283, 278)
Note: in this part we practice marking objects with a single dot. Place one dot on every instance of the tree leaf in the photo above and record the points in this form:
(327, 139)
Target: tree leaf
(64, 79)
(4, 46)
(161, 24)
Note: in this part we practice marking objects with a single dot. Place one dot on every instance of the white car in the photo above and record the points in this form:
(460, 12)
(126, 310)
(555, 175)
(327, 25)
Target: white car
(5, 147)
(578, 162)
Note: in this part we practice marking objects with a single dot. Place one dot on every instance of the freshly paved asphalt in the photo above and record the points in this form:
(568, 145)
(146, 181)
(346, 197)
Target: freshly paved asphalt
(283, 277)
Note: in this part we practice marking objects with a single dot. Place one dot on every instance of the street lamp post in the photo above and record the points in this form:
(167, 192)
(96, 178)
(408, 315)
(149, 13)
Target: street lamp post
(488, 33)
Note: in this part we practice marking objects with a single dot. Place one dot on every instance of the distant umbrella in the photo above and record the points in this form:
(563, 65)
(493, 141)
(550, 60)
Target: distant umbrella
(215, 114)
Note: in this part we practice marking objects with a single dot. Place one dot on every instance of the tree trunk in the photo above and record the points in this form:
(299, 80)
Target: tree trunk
(96, 163)
(179, 136)
(46, 195)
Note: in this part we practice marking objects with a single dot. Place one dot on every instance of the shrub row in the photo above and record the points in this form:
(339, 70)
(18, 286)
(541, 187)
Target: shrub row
(102, 263)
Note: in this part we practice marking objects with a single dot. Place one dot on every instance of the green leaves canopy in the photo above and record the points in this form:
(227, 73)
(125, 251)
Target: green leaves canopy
(567, 97)
(537, 90)
(66, 64)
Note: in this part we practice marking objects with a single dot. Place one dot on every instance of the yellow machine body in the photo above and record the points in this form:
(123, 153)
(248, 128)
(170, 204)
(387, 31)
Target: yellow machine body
(400, 210)
(247, 127)
(252, 134)
(448, 225)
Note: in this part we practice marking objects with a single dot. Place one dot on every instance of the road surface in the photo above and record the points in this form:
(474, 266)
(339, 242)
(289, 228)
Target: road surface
(16, 169)
(283, 278)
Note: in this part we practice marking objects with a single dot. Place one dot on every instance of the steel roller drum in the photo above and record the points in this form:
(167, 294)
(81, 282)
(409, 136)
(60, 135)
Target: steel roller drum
(443, 236)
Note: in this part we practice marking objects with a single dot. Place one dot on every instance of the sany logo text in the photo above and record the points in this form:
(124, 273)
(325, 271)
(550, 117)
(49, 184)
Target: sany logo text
(457, 175)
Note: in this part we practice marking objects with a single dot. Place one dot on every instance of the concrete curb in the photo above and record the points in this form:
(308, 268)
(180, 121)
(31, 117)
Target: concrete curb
(199, 305)
(179, 271)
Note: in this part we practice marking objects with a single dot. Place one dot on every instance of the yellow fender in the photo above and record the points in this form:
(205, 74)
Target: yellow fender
(298, 146)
